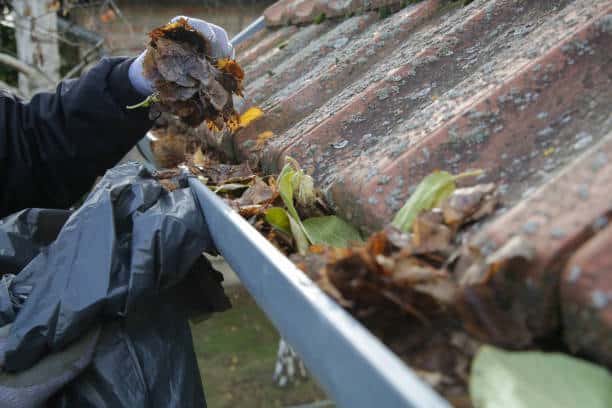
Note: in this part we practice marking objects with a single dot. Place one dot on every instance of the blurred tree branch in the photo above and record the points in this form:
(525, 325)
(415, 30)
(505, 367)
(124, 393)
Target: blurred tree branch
(24, 68)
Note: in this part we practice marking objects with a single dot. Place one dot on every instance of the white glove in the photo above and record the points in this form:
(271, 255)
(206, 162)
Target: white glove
(220, 46)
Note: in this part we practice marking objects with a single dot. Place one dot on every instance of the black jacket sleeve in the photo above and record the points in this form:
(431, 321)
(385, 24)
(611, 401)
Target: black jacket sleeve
(53, 147)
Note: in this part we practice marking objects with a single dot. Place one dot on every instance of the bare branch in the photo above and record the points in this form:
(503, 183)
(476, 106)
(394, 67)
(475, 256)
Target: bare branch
(24, 68)
(85, 60)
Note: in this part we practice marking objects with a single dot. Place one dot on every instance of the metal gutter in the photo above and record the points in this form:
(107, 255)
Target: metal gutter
(249, 31)
(352, 365)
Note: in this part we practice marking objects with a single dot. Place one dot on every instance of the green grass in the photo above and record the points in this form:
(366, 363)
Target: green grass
(236, 352)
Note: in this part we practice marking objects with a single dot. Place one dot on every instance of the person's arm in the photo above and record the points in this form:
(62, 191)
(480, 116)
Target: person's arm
(53, 147)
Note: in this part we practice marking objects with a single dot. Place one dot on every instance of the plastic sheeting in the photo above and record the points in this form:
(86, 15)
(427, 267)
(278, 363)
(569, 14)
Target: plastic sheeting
(129, 259)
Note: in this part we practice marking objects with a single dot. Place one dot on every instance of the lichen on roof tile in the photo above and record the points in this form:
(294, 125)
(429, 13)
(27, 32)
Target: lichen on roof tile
(371, 104)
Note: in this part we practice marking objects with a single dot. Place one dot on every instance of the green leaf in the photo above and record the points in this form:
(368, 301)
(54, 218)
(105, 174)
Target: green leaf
(285, 188)
(536, 379)
(431, 191)
(289, 178)
(331, 230)
(299, 235)
(279, 219)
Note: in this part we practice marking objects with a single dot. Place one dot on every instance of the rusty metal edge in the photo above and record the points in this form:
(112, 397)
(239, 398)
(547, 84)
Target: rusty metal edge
(352, 365)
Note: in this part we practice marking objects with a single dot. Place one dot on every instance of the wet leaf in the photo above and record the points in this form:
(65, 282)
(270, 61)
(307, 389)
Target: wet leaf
(409, 271)
(172, 92)
(469, 204)
(181, 31)
(279, 219)
(199, 159)
(215, 94)
(230, 67)
(516, 254)
(299, 235)
(430, 234)
(306, 196)
(536, 379)
(169, 151)
(259, 193)
(219, 174)
(331, 230)
(431, 191)
(444, 291)
(248, 211)
(188, 82)
(285, 188)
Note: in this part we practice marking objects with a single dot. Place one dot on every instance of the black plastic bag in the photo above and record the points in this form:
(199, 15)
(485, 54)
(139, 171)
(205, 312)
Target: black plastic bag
(130, 259)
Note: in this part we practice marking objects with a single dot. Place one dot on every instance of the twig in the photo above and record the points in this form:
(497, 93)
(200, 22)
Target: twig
(121, 16)
(77, 68)
(24, 68)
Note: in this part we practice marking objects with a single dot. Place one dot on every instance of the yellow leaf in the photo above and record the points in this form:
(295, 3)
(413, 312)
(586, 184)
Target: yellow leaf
(231, 67)
(250, 115)
(262, 137)
(549, 151)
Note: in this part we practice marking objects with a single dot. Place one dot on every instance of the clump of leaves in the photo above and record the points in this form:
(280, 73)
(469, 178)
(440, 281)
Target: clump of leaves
(406, 264)
(188, 82)
(296, 188)
(319, 19)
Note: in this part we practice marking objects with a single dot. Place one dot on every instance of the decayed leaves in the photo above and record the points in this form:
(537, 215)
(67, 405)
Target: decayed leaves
(187, 81)
(405, 269)
(400, 283)
(219, 174)
(469, 204)
(482, 305)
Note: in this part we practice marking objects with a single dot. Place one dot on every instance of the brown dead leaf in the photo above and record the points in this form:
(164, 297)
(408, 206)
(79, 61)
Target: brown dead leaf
(187, 81)
(409, 271)
(429, 234)
(259, 193)
(219, 174)
(378, 244)
(444, 291)
(397, 238)
(181, 31)
(469, 204)
(199, 159)
(517, 253)
(248, 211)
(169, 150)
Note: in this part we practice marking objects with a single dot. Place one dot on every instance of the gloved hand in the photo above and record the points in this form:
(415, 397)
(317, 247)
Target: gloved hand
(220, 45)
